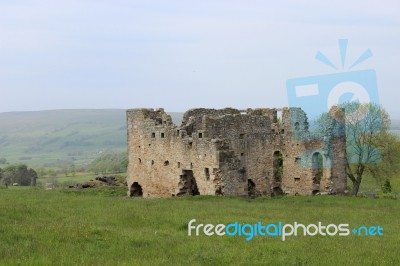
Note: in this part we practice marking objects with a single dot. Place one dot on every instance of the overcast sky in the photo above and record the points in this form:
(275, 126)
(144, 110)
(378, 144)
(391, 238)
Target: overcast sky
(185, 54)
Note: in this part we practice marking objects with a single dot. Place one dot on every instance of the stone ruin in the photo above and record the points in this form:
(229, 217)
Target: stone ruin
(256, 152)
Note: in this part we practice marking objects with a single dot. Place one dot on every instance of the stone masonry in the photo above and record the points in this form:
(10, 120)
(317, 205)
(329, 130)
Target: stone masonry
(253, 152)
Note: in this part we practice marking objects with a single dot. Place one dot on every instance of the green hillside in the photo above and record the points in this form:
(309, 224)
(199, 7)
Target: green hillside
(62, 137)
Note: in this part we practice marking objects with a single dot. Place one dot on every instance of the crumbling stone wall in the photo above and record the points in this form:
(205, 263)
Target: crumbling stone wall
(231, 152)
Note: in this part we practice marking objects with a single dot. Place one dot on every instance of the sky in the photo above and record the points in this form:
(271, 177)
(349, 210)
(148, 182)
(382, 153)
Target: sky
(186, 54)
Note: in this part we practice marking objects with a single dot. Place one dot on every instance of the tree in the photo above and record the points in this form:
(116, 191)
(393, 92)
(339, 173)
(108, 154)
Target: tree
(73, 169)
(33, 175)
(65, 170)
(1, 175)
(19, 174)
(389, 147)
(8, 175)
(366, 146)
(110, 163)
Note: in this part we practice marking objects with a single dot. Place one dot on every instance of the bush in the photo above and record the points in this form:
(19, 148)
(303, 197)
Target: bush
(387, 187)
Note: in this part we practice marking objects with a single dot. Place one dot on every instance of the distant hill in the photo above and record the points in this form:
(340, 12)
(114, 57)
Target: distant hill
(57, 137)
(395, 126)
(62, 137)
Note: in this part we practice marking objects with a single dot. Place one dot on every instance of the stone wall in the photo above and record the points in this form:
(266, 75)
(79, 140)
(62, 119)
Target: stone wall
(230, 152)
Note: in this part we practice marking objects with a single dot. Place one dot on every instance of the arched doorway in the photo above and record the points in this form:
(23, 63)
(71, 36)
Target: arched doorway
(136, 190)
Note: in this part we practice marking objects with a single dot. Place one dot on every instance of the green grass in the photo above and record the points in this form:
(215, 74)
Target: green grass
(371, 185)
(395, 182)
(103, 227)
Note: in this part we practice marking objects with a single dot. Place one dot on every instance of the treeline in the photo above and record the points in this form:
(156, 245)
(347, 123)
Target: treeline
(106, 163)
(110, 163)
(18, 175)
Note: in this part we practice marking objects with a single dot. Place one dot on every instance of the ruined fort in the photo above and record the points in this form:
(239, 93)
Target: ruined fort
(253, 152)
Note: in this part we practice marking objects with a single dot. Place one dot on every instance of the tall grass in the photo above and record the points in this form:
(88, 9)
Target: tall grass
(103, 227)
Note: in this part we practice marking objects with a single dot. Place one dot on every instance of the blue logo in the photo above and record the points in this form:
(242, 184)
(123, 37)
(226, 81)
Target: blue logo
(317, 94)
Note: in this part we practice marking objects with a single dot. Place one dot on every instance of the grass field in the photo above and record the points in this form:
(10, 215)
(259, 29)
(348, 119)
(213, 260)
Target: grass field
(103, 227)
